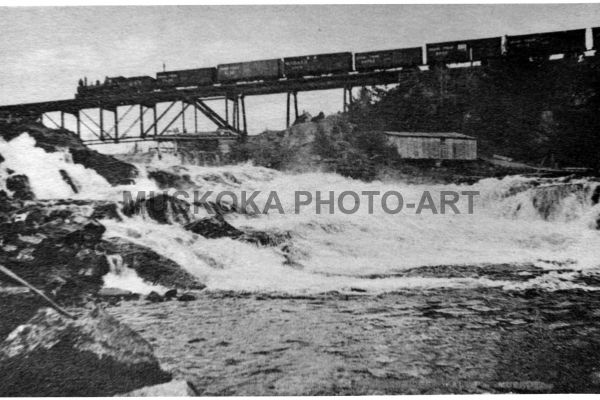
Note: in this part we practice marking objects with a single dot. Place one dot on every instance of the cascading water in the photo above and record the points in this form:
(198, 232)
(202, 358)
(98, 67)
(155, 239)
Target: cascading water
(549, 224)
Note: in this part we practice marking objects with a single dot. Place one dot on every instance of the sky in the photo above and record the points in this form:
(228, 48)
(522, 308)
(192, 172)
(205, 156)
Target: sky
(45, 50)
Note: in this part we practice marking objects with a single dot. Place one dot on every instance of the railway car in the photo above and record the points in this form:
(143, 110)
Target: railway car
(186, 77)
(546, 44)
(485, 49)
(250, 71)
(447, 53)
(596, 38)
(388, 59)
(464, 51)
(319, 64)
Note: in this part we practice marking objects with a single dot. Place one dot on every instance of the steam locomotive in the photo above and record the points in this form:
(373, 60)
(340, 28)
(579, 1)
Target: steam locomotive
(520, 47)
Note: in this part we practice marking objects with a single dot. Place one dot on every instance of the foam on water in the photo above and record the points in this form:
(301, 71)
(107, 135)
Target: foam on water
(122, 277)
(337, 252)
(515, 220)
(43, 169)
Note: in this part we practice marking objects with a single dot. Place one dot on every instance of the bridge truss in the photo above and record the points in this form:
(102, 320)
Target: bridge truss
(104, 116)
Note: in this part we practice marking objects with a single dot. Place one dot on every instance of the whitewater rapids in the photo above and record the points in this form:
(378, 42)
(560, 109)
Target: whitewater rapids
(515, 220)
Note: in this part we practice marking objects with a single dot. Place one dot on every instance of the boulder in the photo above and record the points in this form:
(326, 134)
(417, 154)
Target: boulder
(19, 185)
(151, 266)
(106, 211)
(162, 208)
(54, 246)
(170, 294)
(115, 294)
(16, 307)
(95, 355)
(178, 388)
(166, 179)
(186, 297)
(214, 227)
(154, 297)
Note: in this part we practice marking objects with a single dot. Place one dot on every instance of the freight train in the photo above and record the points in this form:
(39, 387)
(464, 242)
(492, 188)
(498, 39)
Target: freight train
(520, 47)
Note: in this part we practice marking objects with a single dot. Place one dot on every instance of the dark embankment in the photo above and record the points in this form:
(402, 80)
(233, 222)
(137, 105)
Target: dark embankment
(538, 113)
(334, 144)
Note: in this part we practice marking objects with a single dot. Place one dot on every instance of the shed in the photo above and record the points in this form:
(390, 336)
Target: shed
(434, 145)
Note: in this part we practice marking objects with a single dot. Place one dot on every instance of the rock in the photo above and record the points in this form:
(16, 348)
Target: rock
(162, 208)
(170, 294)
(52, 355)
(302, 118)
(19, 185)
(65, 176)
(264, 238)
(154, 297)
(186, 297)
(170, 389)
(117, 294)
(166, 180)
(214, 227)
(106, 211)
(55, 246)
(51, 140)
(151, 266)
(524, 387)
(16, 309)
(319, 117)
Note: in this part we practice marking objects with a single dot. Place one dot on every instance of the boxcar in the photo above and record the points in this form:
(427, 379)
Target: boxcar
(187, 77)
(596, 38)
(546, 44)
(387, 59)
(250, 71)
(318, 64)
(485, 49)
(447, 53)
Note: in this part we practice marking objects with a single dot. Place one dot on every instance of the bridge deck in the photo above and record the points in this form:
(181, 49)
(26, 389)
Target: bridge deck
(206, 92)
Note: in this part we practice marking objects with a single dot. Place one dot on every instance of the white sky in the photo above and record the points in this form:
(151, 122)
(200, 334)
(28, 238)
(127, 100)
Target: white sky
(44, 51)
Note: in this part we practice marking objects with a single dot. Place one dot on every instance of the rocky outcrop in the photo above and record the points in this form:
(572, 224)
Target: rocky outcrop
(55, 247)
(165, 179)
(178, 388)
(58, 246)
(95, 355)
(114, 171)
(216, 227)
(162, 208)
(19, 185)
(152, 267)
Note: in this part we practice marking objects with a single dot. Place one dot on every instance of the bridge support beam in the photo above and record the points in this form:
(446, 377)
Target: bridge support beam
(157, 120)
(347, 98)
(78, 124)
(142, 111)
(101, 124)
(214, 117)
(245, 130)
(116, 127)
(289, 95)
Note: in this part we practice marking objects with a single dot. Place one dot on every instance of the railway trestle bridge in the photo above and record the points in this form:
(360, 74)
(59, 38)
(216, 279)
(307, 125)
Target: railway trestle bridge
(104, 116)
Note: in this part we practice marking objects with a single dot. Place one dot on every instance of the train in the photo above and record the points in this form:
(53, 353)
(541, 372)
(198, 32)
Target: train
(570, 43)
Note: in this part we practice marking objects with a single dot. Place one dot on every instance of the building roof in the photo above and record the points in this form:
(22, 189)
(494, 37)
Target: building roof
(440, 135)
